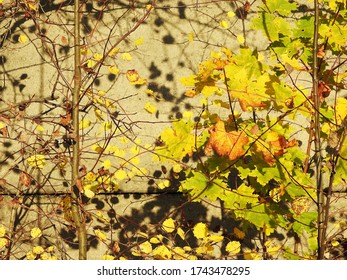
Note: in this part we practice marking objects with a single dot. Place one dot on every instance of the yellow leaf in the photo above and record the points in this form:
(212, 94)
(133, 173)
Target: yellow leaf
(163, 184)
(84, 124)
(249, 255)
(38, 250)
(32, 5)
(180, 233)
(113, 52)
(91, 176)
(113, 70)
(107, 164)
(106, 126)
(120, 174)
(149, 7)
(191, 37)
(22, 39)
(30, 256)
(233, 247)
(161, 252)
(2, 231)
(135, 160)
(335, 243)
(188, 81)
(231, 14)
(100, 235)
(3, 242)
(177, 168)
(204, 249)
(127, 56)
(200, 230)
(215, 238)
(157, 239)
(107, 257)
(118, 152)
(88, 192)
(135, 150)
(139, 41)
(209, 90)
(224, 24)
(44, 256)
(50, 249)
(134, 78)
(146, 247)
(272, 248)
(341, 109)
(180, 254)
(169, 225)
(90, 63)
(150, 108)
(98, 113)
(40, 128)
(101, 93)
(97, 56)
(35, 232)
(85, 51)
(240, 39)
(37, 161)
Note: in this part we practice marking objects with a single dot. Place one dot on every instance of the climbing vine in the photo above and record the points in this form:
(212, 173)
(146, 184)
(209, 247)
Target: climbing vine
(250, 146)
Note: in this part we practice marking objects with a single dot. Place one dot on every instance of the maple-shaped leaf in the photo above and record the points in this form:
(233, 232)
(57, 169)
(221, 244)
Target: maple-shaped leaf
(225, 143)
(274, 146)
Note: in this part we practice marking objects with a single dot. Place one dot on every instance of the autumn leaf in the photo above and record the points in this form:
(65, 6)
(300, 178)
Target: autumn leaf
(233, 247)
(150, 108)
(120, 174)
(38, 250)
(23, 39)
(2, 231)
(25, 179)
(139, 41)
(37, 161)
(224, 24)
(107, 257)
(35, 232)
(127, 56)
(134, 77)
(113, 69)
(100, 235)
(169, 225)
(200, 230)
(146, 247)
(225, 143)
(274, 145)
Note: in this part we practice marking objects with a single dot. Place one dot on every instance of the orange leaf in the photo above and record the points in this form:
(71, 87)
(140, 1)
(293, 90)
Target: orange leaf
(25, 179)
(274, 146)
(65, 120)
(226, 143)
(247, 102)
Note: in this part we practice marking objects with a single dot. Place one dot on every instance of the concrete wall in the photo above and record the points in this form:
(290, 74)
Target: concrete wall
(177, 36)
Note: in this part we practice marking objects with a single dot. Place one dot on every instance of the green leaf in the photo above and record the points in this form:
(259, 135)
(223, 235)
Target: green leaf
(282, 7)
(272, 26)
(305, 222)
(304, 28)
(179, 140)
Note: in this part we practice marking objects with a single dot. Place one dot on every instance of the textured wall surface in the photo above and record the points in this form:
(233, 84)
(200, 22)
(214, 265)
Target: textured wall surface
(177, 35)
